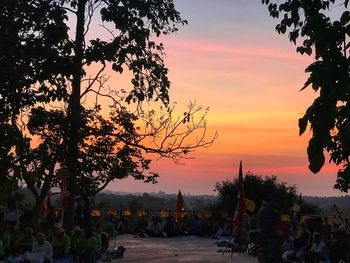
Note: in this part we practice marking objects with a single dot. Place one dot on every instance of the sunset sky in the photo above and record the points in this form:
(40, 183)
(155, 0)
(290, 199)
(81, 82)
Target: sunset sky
(230, 59)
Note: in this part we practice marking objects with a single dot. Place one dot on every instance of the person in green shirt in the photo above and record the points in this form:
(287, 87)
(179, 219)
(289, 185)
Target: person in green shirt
(97, 237)
(60, 244)
(5, 238)
(91, 245)
(26, 241)
(77, 243)
(2, 251)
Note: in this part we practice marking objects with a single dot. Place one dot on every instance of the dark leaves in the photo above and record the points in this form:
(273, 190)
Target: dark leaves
(302, 123)
(326, 38)
(315, 155)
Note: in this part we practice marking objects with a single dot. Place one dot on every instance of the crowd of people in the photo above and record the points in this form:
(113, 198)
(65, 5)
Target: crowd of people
(49, 242)
(310, 239)
(301, 239)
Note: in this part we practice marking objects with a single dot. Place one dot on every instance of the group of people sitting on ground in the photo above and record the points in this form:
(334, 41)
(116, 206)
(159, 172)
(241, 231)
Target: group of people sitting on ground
(52, 244)
(171, 226)
(303, 240)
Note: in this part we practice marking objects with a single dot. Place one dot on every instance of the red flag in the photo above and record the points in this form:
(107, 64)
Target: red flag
(240, 207)
(180, 206)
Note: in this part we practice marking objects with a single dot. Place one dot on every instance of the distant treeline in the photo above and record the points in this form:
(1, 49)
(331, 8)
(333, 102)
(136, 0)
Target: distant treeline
(161, 200)
(152, 201)
(327, 204)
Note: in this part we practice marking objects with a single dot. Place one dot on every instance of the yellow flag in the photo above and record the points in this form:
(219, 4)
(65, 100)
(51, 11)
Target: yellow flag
(95, 213)
(285, 218)
(249, 204)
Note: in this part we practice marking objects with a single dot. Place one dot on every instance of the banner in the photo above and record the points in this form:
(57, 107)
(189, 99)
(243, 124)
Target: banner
(126, 212)
(112, 212)
(141, 213)
(164, 213)
(95, 213)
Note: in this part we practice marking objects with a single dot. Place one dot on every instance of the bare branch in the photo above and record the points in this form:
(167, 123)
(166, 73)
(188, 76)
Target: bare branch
(69, 9)
(96, 78)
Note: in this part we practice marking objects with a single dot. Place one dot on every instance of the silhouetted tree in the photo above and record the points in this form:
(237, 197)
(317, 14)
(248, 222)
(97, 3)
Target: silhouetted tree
(257, 189)
(53, 83)
(325, 35)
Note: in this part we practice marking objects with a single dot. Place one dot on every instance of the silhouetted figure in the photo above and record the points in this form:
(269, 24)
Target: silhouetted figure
(154, 227)
(52, 218)
(169, 227)
(87, 213)
(269, 217)
(78, 214)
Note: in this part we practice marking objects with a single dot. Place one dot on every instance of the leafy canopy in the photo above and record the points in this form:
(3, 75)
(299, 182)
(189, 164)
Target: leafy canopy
(321, 28)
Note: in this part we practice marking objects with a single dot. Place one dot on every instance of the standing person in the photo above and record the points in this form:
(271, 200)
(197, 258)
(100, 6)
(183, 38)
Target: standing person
(78, 214)
(269, 217)
(87, 213)
(254, 228)
(51, 217)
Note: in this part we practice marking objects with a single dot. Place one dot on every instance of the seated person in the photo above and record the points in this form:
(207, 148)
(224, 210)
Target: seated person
(169, 227)
(26, 241)
(41, 250)
(154, 228)
(2, 250)
(5, 239)
(60, 244)
(318, 251)
(77, 242)
(339, 247)
(301, 244)
(91, 245)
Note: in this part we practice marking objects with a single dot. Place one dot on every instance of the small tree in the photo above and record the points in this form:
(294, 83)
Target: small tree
(325, 36)
(257, 189)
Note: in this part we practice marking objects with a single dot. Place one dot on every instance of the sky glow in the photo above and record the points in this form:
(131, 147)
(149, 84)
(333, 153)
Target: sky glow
(229, 58)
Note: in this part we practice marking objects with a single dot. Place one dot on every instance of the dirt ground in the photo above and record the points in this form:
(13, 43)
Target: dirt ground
(178, 249)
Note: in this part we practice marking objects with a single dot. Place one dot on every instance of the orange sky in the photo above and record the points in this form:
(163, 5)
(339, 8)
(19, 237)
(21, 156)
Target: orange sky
(230, 59)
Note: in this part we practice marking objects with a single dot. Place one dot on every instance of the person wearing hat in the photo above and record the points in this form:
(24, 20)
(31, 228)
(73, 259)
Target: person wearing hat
(60, 244)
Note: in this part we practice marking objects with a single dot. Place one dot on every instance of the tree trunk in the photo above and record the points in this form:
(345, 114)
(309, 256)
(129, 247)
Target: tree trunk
(74, 119)
(36, 212)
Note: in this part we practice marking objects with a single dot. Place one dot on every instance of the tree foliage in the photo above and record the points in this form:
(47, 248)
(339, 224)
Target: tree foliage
(321, 28)
(257, 189)
(59, 114)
